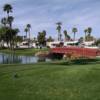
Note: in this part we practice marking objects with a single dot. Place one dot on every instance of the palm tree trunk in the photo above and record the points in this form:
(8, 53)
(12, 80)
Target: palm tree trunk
(85, 36)
(8, 14)
(74, 36)
(29, 37)
(58, 36)
(26, 35)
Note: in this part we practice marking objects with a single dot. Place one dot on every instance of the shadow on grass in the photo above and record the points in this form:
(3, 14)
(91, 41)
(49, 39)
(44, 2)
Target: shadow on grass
(78, 62)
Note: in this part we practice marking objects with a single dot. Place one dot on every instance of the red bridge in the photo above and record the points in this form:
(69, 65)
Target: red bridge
(78, 51)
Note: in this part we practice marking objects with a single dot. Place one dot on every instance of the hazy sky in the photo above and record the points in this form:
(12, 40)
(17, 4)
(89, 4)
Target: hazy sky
(43, 14)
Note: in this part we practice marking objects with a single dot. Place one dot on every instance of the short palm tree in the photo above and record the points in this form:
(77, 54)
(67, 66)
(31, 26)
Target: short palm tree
(74, 30)
(59, 30)
(67, 37)
(85, 31)
(7, 8)
(65, 34)
(4, 21)
(89, 30)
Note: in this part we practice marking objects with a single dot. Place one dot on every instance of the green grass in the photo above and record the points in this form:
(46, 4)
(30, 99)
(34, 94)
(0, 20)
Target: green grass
(50, 81)
(29, 52)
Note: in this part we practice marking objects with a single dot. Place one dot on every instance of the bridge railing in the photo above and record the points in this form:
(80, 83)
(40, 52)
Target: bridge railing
(86, 52)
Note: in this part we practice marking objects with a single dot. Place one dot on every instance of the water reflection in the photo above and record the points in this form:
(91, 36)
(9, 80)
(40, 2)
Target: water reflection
(12, 58)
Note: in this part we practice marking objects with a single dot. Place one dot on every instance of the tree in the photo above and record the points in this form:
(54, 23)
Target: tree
(26, 30)
(7, 8)
(81, 39)
(28, 26)
(85, 31)
(59, 30)
(10, 20)
(50, 39)
(4, 21)
(41, 38)
(14, 33)
(2, 35)
(67, 37)
(89, 30)
(88, 36)
(74, 30)
(97, 42)
(17, 39)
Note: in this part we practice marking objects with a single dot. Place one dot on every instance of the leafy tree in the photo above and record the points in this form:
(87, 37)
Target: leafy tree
(41, 38)
(8, 34)
(97, 42)
(18, 39)
(50, 39)
(59, 30)
(74, 30)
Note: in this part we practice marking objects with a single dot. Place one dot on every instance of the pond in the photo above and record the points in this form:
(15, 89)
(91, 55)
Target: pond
(13, 59)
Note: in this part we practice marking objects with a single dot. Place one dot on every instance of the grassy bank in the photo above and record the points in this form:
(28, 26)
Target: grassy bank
(29, 52)
(50, 81)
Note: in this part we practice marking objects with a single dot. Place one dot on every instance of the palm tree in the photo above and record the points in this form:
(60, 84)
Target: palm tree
(7, 8)
(74, 30)
(4, 21)
(28, 27)
(85, 31)
(65, 33)
(26, 30)
(14, 34)
(59, 30)
(10, 20)
(67, 37)
(89, 30)
(89, 37)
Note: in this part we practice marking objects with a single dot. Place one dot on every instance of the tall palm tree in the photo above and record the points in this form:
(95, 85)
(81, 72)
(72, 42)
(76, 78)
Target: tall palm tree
(26, 30)
(59, 30)
(85, 31)
(74, 30)
(7, 8)
(10, 20)
(28, 27)
(4, 21)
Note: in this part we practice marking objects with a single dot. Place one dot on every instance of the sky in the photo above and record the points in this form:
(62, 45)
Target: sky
(44, 14)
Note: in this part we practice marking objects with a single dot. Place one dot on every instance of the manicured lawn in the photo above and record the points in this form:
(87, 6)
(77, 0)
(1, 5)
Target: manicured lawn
(50, 81)
(31, 51)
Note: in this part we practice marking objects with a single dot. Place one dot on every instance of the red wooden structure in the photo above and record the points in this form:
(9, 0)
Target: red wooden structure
(83, 52)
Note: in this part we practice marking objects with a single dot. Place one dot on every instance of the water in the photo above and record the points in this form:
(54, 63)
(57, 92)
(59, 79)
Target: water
(12, 59)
